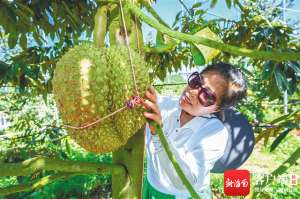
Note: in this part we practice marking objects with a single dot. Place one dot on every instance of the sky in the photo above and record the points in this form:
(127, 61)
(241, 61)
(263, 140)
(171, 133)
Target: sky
(168, 9)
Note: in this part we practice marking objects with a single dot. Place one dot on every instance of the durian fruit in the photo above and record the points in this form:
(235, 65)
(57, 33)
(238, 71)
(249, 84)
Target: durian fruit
(90, 83)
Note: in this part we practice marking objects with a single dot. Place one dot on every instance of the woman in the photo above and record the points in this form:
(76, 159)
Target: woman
(195, 136)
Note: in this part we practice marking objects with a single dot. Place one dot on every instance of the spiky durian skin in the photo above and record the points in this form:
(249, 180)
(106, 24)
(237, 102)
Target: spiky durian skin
(89, 83)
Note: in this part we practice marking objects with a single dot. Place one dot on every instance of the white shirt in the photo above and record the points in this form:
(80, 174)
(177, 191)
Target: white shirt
(197, 145)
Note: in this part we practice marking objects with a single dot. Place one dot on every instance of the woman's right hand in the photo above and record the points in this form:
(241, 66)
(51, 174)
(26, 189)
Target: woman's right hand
(150, 103)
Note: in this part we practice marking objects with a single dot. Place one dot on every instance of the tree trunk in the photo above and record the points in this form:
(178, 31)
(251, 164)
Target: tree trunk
(131, 156)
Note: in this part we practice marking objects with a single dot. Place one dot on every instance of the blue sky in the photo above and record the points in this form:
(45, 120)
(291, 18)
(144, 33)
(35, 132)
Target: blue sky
(168, 9)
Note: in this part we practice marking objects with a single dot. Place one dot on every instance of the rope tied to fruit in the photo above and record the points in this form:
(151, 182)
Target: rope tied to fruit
(128, 49)
(133, 102)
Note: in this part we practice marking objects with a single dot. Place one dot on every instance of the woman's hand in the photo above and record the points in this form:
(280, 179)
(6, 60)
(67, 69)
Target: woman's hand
(150, 103)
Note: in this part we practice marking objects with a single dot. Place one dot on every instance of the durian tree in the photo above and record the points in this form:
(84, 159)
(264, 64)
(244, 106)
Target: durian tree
(95, 78)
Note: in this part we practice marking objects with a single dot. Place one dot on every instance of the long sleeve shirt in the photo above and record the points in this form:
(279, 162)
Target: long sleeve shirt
(196, 145)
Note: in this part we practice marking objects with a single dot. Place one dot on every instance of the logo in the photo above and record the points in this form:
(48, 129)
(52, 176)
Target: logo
(236, 182)
(293, 179)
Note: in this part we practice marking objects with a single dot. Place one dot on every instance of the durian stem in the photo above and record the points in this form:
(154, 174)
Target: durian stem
(164, 48)
(172, 158)
(154, 13)
(262, 55)
(35, 164)
(161, 49)
(66, 169)
(100, 26)
(114, 26)
(132, 157)
(36, 184)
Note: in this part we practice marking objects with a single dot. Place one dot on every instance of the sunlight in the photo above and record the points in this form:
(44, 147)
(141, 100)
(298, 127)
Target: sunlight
(85, 65)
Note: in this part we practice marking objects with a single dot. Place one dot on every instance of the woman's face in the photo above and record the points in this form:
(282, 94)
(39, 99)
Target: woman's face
(189, 98)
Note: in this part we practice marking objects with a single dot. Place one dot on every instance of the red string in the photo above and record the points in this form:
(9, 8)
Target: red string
(134, 102)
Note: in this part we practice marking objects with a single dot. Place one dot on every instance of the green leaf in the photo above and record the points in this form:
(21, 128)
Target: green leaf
(280, 78)
(12, 40)
(33, 139)
(197, 5)
(199, 12)
(283, 117)
(37, 38)
(68, 147)
(236, 1)
(213, 3)
(45, 97)
(273, 90)
(292, 84)
(295, 66)
(159, 39)
(23, 41)
(177, 17)
(267, 70)
(228, 3)
(279, 139)
(207, 52)
(289, 124)
(197, 56)
(25, 9)
(4, 69)
(73, 19)
(247, 72)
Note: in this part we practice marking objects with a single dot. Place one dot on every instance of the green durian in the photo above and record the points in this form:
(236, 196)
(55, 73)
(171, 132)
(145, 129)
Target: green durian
(90, 83)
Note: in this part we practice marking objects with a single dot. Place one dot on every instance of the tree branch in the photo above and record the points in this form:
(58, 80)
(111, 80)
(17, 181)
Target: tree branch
(154, 13)
(100, 26)
(173, 160)
(35, 184)
(30, 166)
(107, 1)
(164, 48)
(161, 49)
(185, 7)
(263, 55)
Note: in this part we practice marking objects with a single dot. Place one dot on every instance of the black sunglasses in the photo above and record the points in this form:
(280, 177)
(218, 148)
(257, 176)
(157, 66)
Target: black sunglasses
(205, 96)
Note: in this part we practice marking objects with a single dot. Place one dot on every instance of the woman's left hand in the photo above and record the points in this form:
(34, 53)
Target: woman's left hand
(151, 104)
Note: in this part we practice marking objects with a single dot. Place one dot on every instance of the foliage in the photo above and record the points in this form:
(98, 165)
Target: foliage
(39, 33)
(36, 131)
(33, 124)
(262, 30)
(58, 20)
(256, 29)
(175, 87)
(84, 186)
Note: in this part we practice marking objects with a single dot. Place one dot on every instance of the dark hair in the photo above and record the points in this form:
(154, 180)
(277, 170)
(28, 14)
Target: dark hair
(236, 88)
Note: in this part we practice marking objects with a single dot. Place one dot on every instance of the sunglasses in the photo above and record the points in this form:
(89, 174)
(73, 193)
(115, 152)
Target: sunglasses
(205, 96)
